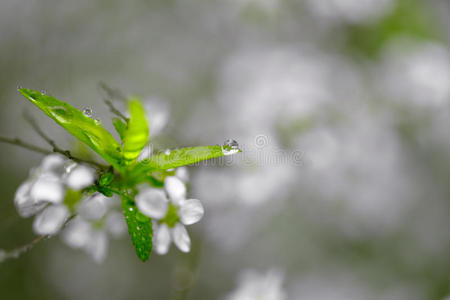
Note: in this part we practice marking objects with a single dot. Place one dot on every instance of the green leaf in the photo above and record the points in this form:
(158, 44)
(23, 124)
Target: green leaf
(120, 126)
(176, 158)
(82, 127)
(139, 228)
(136, 135)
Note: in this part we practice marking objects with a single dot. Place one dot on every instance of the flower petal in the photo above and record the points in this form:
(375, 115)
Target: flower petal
(175, 188)
(181, 238)
(145, 153)
(152, 203)
(162, 239)
(47, 189)
(97, 246)
(182, 173)
(50, 220)
(53, 163)
(77, 233)
(93, 207)
(25, 205)
(80, 177)
(191, 211)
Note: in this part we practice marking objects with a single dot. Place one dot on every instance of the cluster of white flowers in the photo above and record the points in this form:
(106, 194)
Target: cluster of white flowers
(171, 211)
(43, 193)
(53, 194)
(98, 217)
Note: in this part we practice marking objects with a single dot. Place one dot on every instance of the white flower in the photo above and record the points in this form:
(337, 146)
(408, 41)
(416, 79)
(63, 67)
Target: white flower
(172, 211)
(256, 286)
(98, 219)
(43, 193)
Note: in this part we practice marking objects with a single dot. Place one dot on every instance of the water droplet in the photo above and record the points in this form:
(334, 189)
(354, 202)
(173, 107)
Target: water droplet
(87, 112)
(130, 209)
(97, 121)
(167, 152)
(230, 147)
(138, 228)
(19, 87)
(43, 92)
(61, 114)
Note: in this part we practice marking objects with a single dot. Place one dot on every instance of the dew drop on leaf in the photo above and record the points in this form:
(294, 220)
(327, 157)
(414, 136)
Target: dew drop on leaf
(87, 112)
(230, 147)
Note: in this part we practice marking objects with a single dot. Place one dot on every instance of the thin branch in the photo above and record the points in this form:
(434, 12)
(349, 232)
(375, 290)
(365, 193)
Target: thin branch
(19, 251)
(20, 143)
(55, 147)
(114, 110)
(38, 130)
(113, 94)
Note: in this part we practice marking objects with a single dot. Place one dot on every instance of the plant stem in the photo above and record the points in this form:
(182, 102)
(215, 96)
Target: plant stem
(17, 252)
(113, 94)
(66, 153)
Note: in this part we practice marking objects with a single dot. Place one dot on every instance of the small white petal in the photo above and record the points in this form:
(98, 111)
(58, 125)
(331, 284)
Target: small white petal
(191, 211)
(115, 224)
(175, 188)
(50, 220)
(53, 163)
(97, 246)
(80, 177)
(93, 207)
(181, 238)
(47, 189)
(162, 239)
(152, 202)
(182, 173)
(145, 153)
(25, 205)
(77, 233)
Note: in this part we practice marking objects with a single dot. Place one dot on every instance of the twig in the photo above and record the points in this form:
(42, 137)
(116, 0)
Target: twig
(38, 130)
(113, 94)
(49, 141)
(114, 110)
(17, 252)
(20, 143)
(66, 153)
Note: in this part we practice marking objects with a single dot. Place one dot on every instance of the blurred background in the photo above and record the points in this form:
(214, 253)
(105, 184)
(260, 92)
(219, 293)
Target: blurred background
(342, 108)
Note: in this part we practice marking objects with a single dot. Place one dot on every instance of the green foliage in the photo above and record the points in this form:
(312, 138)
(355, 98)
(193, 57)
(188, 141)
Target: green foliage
(82, 127)
(139, 228)
(120, 127)
(178, 158)
(410, 18)
(136, 135)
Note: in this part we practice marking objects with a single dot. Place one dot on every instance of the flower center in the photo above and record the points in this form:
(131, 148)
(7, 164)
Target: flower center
(171, 217)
